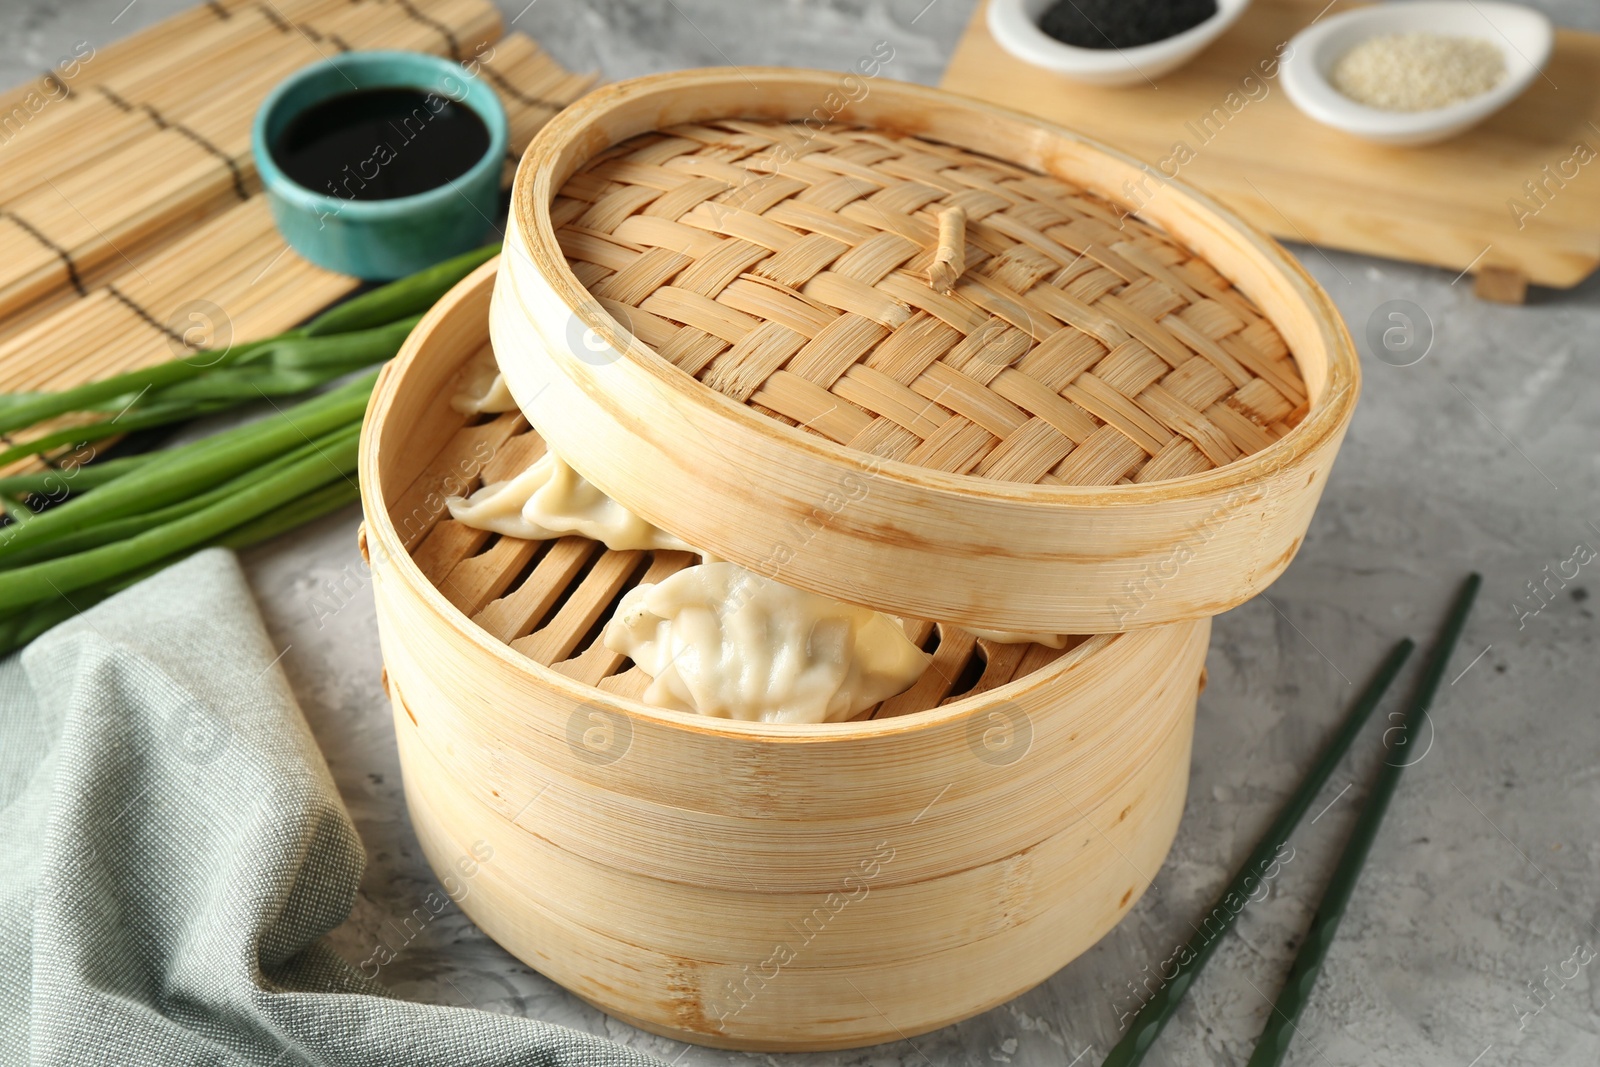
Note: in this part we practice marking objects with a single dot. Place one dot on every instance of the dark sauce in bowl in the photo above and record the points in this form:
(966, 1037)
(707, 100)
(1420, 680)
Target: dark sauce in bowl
(378, 144)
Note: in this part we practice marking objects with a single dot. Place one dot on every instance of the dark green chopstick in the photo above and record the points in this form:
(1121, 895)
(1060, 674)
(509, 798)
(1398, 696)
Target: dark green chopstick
(1280, 1028)
(1160, 1007)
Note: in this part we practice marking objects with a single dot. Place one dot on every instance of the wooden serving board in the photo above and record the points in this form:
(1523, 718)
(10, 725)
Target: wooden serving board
(1454, 205)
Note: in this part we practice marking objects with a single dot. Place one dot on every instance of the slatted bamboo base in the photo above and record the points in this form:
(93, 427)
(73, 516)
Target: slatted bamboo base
(761, 886)
(550, 599)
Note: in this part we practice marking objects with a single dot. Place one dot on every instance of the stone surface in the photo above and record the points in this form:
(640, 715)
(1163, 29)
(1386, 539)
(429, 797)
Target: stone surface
(1483, 455)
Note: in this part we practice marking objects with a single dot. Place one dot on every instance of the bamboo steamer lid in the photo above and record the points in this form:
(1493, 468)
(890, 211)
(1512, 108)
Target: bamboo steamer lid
(717, 305)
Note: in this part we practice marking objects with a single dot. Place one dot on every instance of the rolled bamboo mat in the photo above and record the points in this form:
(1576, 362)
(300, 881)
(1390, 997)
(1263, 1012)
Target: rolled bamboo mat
(188, 165)
(226, 271)
(136, 48)
(164, 46)
(102, 119)
(84, 108)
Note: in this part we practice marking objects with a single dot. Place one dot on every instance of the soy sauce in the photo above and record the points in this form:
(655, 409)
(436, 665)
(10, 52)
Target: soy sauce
(377, 144)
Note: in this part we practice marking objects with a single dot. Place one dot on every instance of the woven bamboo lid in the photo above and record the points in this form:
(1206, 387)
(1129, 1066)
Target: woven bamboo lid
(1076, 349)
(918, 355)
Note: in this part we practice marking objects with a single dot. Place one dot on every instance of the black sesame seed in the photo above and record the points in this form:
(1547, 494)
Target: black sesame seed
(1122, 23)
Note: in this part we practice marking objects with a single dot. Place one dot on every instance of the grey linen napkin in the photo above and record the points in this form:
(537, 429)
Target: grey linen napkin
(173, 849)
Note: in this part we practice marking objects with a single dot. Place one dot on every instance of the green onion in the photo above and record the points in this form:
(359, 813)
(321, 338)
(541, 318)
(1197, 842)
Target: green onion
(20, 628)
(126, 518)
(93, 536)
(181, 390)
(296, 365)
(8, 400)
(373, 345)
(408, 296)
(40, 581)
(17, 510)
(188, 469)
(78, 436)
(240, 385)
(312, 506)
(378, 313)
(76, 479)
(25, 413)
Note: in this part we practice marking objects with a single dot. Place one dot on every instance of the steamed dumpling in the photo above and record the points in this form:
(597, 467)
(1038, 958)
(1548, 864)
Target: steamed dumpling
(1010, 637)
(723, 641)
(550, 499)
(483, 388)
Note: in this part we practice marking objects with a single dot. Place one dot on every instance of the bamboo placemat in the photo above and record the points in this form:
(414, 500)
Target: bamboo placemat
(78, 211)
(131, 220)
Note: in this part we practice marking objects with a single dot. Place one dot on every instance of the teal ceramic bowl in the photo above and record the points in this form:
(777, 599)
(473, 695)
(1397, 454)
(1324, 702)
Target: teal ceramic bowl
(382, 239)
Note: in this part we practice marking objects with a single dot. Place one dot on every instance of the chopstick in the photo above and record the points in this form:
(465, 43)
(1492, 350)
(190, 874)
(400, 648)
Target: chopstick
(1161, 1006)
(1280, 1028)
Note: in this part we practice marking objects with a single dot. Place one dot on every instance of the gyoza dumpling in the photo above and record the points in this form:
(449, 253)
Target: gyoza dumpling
(550, 499)
(1018, 637)
(723, 641)
(483, 387)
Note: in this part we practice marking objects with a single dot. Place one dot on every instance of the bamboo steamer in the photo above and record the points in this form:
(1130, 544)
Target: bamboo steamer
(742, 885)
(718, 307)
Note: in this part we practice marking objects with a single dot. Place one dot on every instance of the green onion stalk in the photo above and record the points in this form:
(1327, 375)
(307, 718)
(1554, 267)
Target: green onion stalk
(18, 629)
(116, 521)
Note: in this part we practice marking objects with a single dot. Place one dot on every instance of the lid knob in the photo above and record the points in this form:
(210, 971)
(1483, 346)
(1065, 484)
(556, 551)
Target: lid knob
(950, 258)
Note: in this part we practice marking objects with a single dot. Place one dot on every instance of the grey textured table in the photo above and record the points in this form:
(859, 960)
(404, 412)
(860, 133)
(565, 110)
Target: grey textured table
(1485, 454)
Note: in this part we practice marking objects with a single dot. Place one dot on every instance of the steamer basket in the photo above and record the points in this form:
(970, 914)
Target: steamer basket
(743, 885)
(728, 327)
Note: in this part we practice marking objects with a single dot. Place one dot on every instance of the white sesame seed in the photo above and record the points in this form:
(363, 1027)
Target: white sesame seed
(1418, 71)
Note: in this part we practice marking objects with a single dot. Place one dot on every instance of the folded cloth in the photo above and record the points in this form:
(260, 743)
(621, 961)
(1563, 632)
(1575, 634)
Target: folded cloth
(173, 849)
